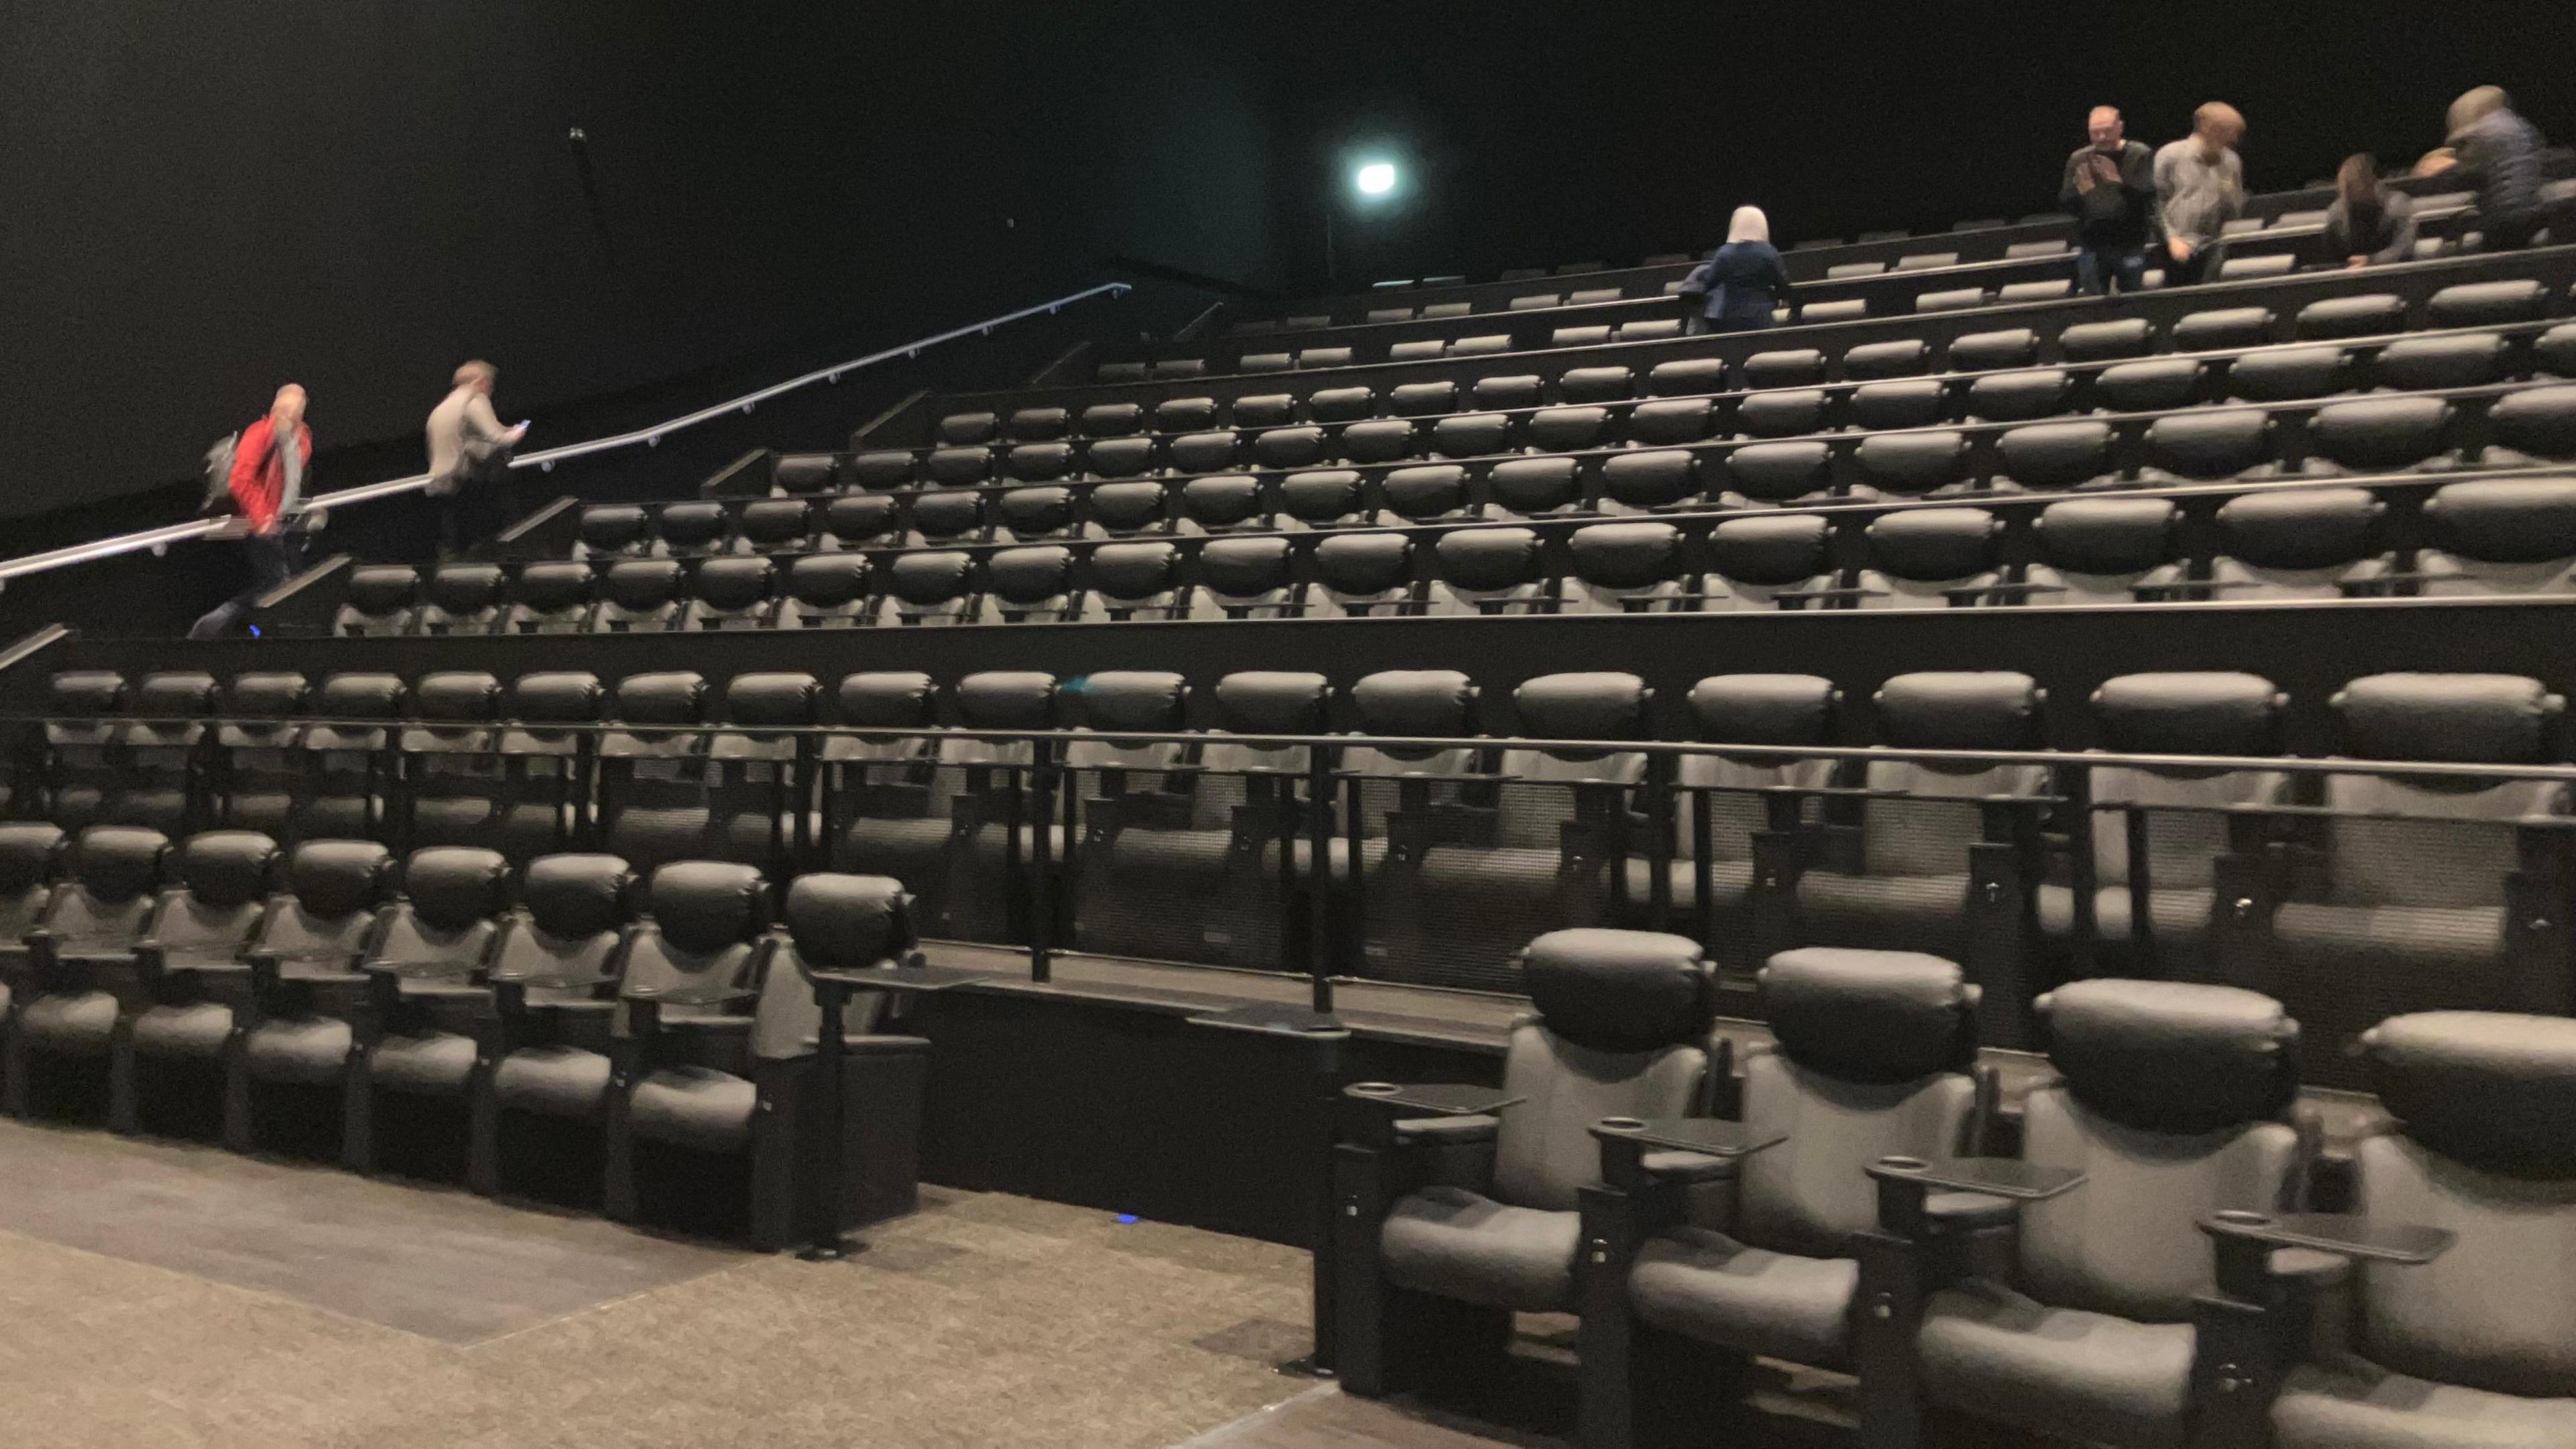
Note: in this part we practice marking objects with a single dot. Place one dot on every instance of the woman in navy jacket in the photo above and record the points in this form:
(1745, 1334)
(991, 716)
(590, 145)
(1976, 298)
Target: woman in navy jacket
(1742, 281)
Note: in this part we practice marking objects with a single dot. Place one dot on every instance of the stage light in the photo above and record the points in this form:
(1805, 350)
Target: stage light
(1374, 178)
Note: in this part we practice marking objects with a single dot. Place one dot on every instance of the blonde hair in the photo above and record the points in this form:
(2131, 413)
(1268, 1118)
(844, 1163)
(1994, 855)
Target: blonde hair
(2215, 114)
(477, 371)
(1749, 224)
(2476, 105)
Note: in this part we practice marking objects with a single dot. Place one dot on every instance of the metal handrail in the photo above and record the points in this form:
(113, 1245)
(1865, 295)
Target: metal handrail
(161, 538)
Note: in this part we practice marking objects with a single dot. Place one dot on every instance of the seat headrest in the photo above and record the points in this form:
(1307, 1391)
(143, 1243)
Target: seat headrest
(1273, 702)
(173, 695)
(802, 472)
(1779, 471)
(335, 878)
(887, 699)
(611, 525)
(694, 522)
(382, 588)
(1365, 563)
(1534, 485)
(2491, 1089)
(1425, 490)
(734, 583)
(776, 520)
(2206, 443)
(938, 577)
(848, 922)
(456, 694)
(2056, 455)
(778, 700)
(1007, 699)
(1765, 709)
(1619, 991)
(641, 583)
(29, 851)
(1651, 478)
(2495, 719)
(576, 895)
(1771, 552)
(1327, 493)
(88, 691)
(827, 580)
(1934, 543)
(1870, 1016)
(118, 862)
(1242, 567)
(465, 588)
(1133, 570)
(707, 905)
(1128, 699)
(1102, 420)
(359, 696)
(2198, 712)
(1028, 575)
(551, 587)
(1625, 555)
(227, 867)
(2172, 1056)
(2506, 520)
(1037, 510)
(1787, 368)
(854, 516)
(2484, 304)
(267, 695)
(555, 697)
(2108, 535)
(669, 697)
(453, 886)
(1603, 706)
(1128, 505)
(1433, 702)
(1959, 710)
(946, 516)
(1915, 462)
(1488, 558)
(1227, 498)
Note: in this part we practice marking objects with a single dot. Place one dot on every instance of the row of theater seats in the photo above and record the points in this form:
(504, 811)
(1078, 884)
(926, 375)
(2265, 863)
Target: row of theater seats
(2149, 1270)
(1806, 309)
(2493, 537)
(221, 986)
(2362, 324)
(2353, 893)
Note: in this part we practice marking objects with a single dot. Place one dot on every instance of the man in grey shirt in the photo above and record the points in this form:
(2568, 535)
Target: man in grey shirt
(2200, 187)
(468, 449)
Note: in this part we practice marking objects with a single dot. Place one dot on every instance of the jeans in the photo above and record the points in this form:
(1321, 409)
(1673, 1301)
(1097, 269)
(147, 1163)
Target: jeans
(2201, 266)
(2096, 268)
(274, 558)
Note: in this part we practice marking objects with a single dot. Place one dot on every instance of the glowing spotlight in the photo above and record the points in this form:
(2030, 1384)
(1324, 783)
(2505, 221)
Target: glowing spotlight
(1376, 178)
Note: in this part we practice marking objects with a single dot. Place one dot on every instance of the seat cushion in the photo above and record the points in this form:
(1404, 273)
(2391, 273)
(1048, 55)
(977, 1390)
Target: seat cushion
(557, 1081)
(197, 1029)
(694, 1107)
(1993, 1353)
(436, 1065)
(2357, 1405)
(70, 1023)
(1455, 1244)
(298, 1049)
(1710, 1287)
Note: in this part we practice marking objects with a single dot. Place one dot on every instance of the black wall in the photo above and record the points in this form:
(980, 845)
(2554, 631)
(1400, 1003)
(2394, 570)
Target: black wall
(1545, 133)
(204, 201)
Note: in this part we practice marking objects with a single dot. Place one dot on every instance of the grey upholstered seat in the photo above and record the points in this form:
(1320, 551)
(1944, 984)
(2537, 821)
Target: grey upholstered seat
(2178, 814)
(2477, 1349)
(2412, 909)
(2168, 1098)
(1618, 1029)
(1870, 1058)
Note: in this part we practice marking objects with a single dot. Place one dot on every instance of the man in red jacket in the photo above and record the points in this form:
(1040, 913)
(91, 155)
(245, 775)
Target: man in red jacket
(271, 465)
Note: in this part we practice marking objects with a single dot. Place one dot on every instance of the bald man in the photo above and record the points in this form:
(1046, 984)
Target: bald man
(272, 462)
(2200, 188)
(2110, 190)
(2499, 154)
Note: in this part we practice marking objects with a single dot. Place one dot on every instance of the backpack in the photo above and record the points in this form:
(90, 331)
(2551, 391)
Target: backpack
(219, 478)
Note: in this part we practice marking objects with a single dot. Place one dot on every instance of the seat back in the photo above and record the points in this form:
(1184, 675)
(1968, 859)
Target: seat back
(106, 901)
(2500, 536)
(1247, 578)
(325, 917)
(1756, 709)
(2483, 1100)
(2212, 713)
(1870, 1057)
(2296, 544)
(379, 602)
(1929, 831)
(461, 599)
(1491, 571)
(1619, 1029)
(262, 772)
(1931, 558)
(81, 764)
(224, 878)
(825, 591)
(833, 923)
(551, 598)
(31, 855)
(731, 593)
(1366, 574)
(457, 781)
(1631, 568)
(157, 753)
(1266, 702)
(348, 755)
(2094, 551)
(930, 586)
(1417, 702)
(2169, 1098)
(569, 923)
(1768, 563)
(2442, 843)
(652, 770)
(704, 931)
(450, 908)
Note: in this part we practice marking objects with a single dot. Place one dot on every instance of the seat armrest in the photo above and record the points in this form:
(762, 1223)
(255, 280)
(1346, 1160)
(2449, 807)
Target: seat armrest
(2260, 1252)
(691, 995)
(1687, 1168)
(1373, 1109)
(1446, 1131)
(421, 970)
(1906, 1186)
(1968, 1212)
(886, 1044)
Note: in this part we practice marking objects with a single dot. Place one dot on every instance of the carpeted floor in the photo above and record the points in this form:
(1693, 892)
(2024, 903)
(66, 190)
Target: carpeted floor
(154, 1294)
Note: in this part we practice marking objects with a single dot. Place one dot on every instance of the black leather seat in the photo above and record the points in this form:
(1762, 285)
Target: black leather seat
(416, 1046)
(288, 1068)
(72, 978)
(553, 977)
